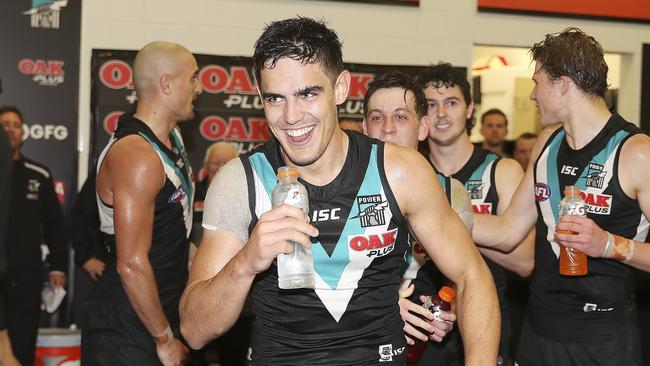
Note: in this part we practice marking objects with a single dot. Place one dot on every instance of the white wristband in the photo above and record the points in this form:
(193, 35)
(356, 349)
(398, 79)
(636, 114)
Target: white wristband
(609, 247)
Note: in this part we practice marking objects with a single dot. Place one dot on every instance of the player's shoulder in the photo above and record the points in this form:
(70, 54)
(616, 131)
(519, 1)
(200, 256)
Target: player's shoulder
(403, 156)
(636, 150)
(133, 151)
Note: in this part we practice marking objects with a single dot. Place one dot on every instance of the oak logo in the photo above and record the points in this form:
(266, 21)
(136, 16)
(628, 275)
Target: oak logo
(43, 72)
(375, 245)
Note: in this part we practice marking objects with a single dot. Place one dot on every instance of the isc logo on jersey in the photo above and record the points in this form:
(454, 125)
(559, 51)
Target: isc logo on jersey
(374, 245)
(598, 204)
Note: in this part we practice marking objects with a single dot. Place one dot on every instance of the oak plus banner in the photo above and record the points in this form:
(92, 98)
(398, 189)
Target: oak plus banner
(39, 69)
(229, 108)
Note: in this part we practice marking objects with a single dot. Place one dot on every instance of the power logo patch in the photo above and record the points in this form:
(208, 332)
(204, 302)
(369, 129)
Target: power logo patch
(475, 189)
(595, 176)
(371, 210)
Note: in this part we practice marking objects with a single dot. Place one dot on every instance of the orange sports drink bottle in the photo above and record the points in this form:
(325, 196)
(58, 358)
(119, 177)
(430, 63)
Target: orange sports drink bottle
(572, 261)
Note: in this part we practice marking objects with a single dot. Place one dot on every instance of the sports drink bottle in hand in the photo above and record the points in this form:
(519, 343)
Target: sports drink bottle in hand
(437, 305)
(295, 269)
(572, 261)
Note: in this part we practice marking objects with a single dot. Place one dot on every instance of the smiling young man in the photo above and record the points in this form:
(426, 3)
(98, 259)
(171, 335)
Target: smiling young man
(587, 320)
(144, 195)
(352, 316)
(490, 179)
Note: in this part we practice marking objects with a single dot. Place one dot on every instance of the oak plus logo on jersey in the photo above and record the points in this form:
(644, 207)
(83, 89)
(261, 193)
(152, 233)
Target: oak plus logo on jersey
(43, 72)
(375, 245)
(475, 189)
(597, 203)
(371, 210)
(482, 208)
(46, 13)
(542, 192)
(595, 177)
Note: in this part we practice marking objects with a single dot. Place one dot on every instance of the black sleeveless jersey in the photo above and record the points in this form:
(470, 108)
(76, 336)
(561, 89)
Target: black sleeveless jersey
(352, 317)
(171, 226)
(604, 298)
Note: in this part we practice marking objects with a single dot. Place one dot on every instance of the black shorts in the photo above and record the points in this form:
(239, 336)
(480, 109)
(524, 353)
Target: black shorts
(619, 346)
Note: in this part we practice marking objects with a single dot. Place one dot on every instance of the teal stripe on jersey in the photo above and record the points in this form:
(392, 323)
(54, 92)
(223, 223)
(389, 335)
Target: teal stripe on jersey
(442, 179)
(264, 171)
(187, 187)
(601, 157)
(581, 183)
(478, 173)
(552, 175)
(331, 268)
(177, 142)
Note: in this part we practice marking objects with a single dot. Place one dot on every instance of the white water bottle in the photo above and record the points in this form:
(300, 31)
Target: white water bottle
(295, 269)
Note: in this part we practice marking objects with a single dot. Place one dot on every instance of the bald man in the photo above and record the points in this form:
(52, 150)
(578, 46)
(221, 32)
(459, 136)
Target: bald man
(144, 194)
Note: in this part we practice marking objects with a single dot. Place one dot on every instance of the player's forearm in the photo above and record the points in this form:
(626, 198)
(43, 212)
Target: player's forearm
(140, 285)
(479, 317)
(521, 260)
(495, 232)
(209, 308)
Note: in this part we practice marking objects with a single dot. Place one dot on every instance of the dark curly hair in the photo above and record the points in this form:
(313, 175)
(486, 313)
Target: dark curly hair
(574, 54)
(445, 75)
(300, 39)
(397, 79)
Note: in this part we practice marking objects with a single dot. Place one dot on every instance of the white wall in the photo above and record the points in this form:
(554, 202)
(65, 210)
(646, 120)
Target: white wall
(436, 30)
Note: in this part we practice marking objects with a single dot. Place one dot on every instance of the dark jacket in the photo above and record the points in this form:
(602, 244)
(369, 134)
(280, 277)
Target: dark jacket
(35, 217)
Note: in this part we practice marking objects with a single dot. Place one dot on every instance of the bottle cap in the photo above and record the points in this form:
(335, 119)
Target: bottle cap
(447, 294)
(571, 190)
(286, 171)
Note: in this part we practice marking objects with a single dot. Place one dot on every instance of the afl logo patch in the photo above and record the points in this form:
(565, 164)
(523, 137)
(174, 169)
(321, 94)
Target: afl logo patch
(542, 192)
(177, 196)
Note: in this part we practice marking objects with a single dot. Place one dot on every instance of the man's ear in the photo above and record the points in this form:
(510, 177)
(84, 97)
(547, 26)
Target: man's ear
(165, 84)
(470, 110)
(565, 83)
(342, 87)
(423, 131)
(364, 127)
